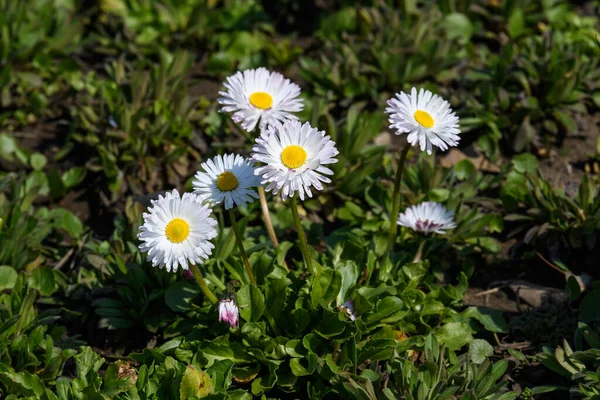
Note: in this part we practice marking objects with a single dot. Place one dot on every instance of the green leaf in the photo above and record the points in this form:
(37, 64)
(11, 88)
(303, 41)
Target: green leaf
(221, 375)
(492, 320)
(8, 277)
(525, 163)
(73, 176)
(589, 310)
(180, 294)
(37, 161)
(479, 350)
(195, 382)
(251, 302)
(64, 219)
(464, 169)
(326, 286)
(458, 26)
(516, 23)
(21, 382)
(454, 334)
(304, 366)
(42, 279)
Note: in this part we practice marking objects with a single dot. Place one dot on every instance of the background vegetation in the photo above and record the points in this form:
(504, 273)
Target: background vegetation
(104, 104)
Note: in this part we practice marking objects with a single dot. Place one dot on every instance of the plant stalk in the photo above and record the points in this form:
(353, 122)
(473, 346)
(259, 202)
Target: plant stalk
(302, 237)
(396, 197)
(238, 239)
(268, 224)
(202, 283)
(419, 251)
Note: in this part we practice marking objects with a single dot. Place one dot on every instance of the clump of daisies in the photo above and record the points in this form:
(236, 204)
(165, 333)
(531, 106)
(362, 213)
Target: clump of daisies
(258, 96)
(427, 217)
(429, 121)
(228, 179)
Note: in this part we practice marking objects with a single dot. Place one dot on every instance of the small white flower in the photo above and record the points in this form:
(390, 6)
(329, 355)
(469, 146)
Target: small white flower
(295, 155)
(257, 94)
(226, 178)
(176, 231)
(229, 312)
(427, 217)
(427, 118)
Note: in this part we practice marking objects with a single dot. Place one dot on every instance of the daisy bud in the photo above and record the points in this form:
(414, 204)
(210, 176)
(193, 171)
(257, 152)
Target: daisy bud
(229, 312)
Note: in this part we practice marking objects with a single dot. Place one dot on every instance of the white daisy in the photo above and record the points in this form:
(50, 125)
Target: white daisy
(257, 94)
(426, 117)
(176, 231)
(226, 178)
(295, 155)
(427, 217)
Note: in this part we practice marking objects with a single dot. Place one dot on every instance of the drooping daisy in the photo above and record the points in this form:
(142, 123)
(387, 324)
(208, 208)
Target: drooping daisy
(427, 217)
(226, 179)
(426, 117)
(295, 155)
(258, 94)
(176, 231)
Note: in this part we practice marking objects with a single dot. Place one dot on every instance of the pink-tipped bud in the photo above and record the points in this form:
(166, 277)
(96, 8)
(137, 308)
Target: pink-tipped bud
(229, 312)
(187, 274)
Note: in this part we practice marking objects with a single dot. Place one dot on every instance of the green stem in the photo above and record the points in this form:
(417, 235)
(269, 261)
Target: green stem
(238, 239)
(268, 223)
(302, 237)
(396, 198)
(207, 292)
(419, 251)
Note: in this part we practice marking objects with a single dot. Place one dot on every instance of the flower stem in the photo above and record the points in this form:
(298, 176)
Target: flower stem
(267, 216)
(396, 197)
(302, 237)
(419, 252)
(238, 239)
(207, 292)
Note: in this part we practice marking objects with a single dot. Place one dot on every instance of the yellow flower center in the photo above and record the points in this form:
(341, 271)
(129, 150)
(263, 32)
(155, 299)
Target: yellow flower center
(293, 156)
(177, 230)
(424, 119)
(262, 100)
(227, 181)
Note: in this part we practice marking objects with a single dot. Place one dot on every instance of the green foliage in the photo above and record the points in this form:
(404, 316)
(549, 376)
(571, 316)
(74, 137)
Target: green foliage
(104, 104)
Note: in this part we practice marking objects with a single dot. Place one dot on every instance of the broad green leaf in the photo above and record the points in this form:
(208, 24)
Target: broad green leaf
(195, 382)
(479, 350)
(42, 279)
(8, 277)
(326, 286)
(454, 334)
(251, 303)
(179, 296)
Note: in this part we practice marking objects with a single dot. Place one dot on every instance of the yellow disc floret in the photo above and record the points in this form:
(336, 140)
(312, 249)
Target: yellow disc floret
(293, 156)
(227, 181)
(177, 230)
(262, 100)
(424, 118)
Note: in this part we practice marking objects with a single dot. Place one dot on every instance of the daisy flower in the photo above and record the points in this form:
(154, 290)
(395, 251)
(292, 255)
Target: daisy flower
(295, 155)
(426, 117)
(229, 312)
(257, 94)
(427, 217)
(226, 179)
(176, 231)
